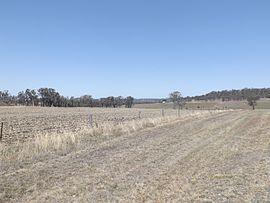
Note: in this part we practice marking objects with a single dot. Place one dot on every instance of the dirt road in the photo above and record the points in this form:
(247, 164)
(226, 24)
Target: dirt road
(219, 158)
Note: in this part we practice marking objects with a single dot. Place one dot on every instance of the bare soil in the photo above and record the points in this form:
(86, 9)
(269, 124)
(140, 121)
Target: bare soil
(219, 158)
(24, 123)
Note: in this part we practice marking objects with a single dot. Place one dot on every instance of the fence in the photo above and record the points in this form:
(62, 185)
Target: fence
(1, 131)
(19, 129)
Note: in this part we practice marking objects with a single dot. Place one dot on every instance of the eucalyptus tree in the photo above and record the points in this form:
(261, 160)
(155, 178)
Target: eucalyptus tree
(129, 102)
(177, 99)
(252, 101)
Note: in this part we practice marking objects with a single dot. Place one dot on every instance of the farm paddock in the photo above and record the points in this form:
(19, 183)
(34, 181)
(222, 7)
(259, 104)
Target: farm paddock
(22, 123)
(208, 157)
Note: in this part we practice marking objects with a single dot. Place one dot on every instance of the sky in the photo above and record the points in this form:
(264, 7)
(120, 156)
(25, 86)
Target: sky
(142, 48)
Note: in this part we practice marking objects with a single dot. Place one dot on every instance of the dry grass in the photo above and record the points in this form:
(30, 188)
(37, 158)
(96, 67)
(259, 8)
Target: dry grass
(63, 143)
(24, 123)
(199, 158)
(261, 104)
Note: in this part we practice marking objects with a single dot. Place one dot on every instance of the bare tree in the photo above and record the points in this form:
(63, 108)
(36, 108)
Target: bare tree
(177, 99)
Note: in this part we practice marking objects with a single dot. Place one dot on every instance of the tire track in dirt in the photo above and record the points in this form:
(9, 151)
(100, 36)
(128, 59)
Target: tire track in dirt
(212, 161)
(54, 169)
(121, 159)
(179, 153)
(192, 160)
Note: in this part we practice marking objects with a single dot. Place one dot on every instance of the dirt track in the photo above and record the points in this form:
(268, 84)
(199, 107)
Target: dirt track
(219, 158)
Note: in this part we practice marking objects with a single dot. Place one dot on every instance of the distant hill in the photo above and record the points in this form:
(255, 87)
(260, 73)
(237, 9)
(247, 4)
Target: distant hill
(233, 95)
(224, 95)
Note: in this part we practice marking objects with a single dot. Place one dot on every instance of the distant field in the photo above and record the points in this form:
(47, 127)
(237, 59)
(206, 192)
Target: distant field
(21, 123)
(262, 104)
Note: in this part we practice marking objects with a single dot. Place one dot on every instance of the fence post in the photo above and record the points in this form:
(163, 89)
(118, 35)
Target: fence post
(1, 133)
(91, 120)
(139, 115)
(178, 112)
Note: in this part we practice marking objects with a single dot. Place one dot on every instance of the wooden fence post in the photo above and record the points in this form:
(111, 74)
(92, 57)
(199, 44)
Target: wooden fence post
(1, 133)
(139, 115)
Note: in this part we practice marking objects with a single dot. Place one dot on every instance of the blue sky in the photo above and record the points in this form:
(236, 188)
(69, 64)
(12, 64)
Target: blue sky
(143, 48)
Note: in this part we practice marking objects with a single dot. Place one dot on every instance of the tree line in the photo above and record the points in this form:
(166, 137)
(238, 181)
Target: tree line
(252, 97)
(49, 97)
(233, 95)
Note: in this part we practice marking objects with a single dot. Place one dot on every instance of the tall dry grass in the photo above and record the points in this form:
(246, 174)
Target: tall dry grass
(70, 141)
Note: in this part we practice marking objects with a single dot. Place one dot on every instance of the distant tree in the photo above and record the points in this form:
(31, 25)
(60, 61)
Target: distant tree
(6, 98)
(63, 101)
(96, 103)
(119, 101)
(177, 99)
(49, 97)
(252, 101)
(102, 102)
(27, 97)
(56, 98)
(86, 101)
(110, 101)
(34, 97)
(129, 102)
(21, 98)
(43, 93)
(71, 102)
(31, 97)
